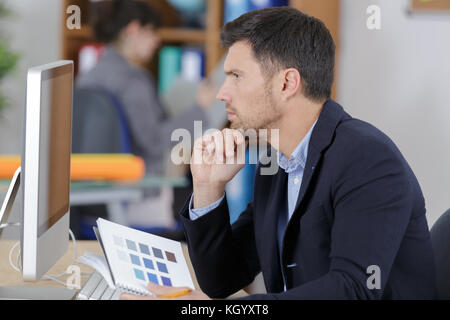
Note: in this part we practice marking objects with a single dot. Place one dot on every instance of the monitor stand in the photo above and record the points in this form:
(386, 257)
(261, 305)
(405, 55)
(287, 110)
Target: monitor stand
(26, 293)
(36, 293)
(9, 199)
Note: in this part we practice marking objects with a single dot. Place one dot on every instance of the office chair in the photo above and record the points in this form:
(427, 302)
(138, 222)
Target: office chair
(99, 125)
(440, 238)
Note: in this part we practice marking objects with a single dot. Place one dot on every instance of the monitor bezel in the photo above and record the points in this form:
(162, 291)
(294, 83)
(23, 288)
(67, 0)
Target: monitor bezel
(40, 250)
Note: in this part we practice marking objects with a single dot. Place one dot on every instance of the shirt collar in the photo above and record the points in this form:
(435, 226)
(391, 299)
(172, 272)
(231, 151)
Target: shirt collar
(298, 157)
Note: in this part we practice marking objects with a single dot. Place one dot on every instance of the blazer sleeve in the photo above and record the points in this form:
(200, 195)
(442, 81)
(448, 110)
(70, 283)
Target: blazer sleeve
(373, 195)
(224, 256)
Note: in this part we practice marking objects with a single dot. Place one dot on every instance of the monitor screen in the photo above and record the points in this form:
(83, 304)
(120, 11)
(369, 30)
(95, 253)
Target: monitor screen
(56, 119)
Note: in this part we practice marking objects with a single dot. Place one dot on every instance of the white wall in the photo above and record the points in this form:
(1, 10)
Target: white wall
(398, 79)
(34, 31)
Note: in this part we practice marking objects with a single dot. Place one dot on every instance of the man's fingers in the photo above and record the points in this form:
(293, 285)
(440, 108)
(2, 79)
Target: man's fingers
(226, 146)
(238, 137)
(229, 145)
(129, 296)
(208, 151)
(197, 153)
(241, 145)
(160, 291)
(203, 148)
(219, 149)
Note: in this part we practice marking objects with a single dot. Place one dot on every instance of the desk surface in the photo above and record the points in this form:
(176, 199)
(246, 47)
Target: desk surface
(10, 277)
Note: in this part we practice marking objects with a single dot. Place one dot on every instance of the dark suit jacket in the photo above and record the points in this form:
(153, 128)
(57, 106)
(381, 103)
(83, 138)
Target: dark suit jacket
(359, 205)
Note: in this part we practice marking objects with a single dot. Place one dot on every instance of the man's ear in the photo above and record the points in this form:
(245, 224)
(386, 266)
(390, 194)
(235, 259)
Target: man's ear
(291, 83)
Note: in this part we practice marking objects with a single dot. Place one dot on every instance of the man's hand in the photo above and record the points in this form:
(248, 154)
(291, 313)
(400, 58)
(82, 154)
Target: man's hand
(216, 159)
(161, 291)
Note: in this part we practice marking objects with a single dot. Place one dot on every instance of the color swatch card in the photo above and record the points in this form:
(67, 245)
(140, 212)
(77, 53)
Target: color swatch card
(136, 258)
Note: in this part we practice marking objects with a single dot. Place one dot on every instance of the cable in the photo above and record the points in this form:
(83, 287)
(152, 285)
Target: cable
(10, 256)
(75, 255)
(49, 277)
(52, 277)
(11, 224)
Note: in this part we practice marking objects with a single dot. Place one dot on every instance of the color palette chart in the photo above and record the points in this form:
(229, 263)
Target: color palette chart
(136, 257)
(148, 263)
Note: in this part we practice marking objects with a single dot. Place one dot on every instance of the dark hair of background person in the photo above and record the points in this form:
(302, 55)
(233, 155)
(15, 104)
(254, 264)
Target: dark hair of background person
(118, 14)
(284, 37)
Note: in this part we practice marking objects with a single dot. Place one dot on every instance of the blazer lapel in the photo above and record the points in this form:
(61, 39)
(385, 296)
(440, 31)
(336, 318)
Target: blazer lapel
(270, 258)
(311, 163)
(321, 137)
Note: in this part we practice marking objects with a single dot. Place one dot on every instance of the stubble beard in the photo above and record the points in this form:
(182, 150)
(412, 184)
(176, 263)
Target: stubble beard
(266, 117)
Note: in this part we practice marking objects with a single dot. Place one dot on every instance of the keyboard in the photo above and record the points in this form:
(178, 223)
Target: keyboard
(96, 288)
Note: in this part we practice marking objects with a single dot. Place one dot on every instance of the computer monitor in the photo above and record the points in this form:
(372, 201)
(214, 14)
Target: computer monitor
(45, 173)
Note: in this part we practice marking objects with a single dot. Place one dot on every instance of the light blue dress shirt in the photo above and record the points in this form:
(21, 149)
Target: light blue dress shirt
(294, 167)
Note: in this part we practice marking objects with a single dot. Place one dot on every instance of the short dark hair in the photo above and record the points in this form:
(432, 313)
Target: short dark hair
(284, 37)
(119, 14)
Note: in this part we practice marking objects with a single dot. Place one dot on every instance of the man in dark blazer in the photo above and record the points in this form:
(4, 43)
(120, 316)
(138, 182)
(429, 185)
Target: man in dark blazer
(343, 217)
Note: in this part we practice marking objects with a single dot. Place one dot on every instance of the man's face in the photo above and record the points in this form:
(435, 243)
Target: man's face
(247, 93)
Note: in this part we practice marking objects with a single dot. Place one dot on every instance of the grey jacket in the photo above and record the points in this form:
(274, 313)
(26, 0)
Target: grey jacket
(149, 123)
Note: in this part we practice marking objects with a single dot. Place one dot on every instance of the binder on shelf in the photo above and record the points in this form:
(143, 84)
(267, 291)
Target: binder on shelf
(192, 64)
(88, 56)
(169, 67)
(235, 8)
(260, 4)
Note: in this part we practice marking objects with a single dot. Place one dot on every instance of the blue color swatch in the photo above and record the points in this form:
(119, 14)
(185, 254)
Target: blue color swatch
(162, 267)
(144, 249)
(166, 281)
(157, 253)
(135, 259)
(152, 277)
(149, 264)
(131, 245)
(139, 274)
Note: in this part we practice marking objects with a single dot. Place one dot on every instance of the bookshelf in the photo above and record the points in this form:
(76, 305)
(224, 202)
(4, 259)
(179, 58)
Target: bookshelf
(170, 33)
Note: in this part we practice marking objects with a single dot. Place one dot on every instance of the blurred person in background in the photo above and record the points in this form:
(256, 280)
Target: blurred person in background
(129, 32)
